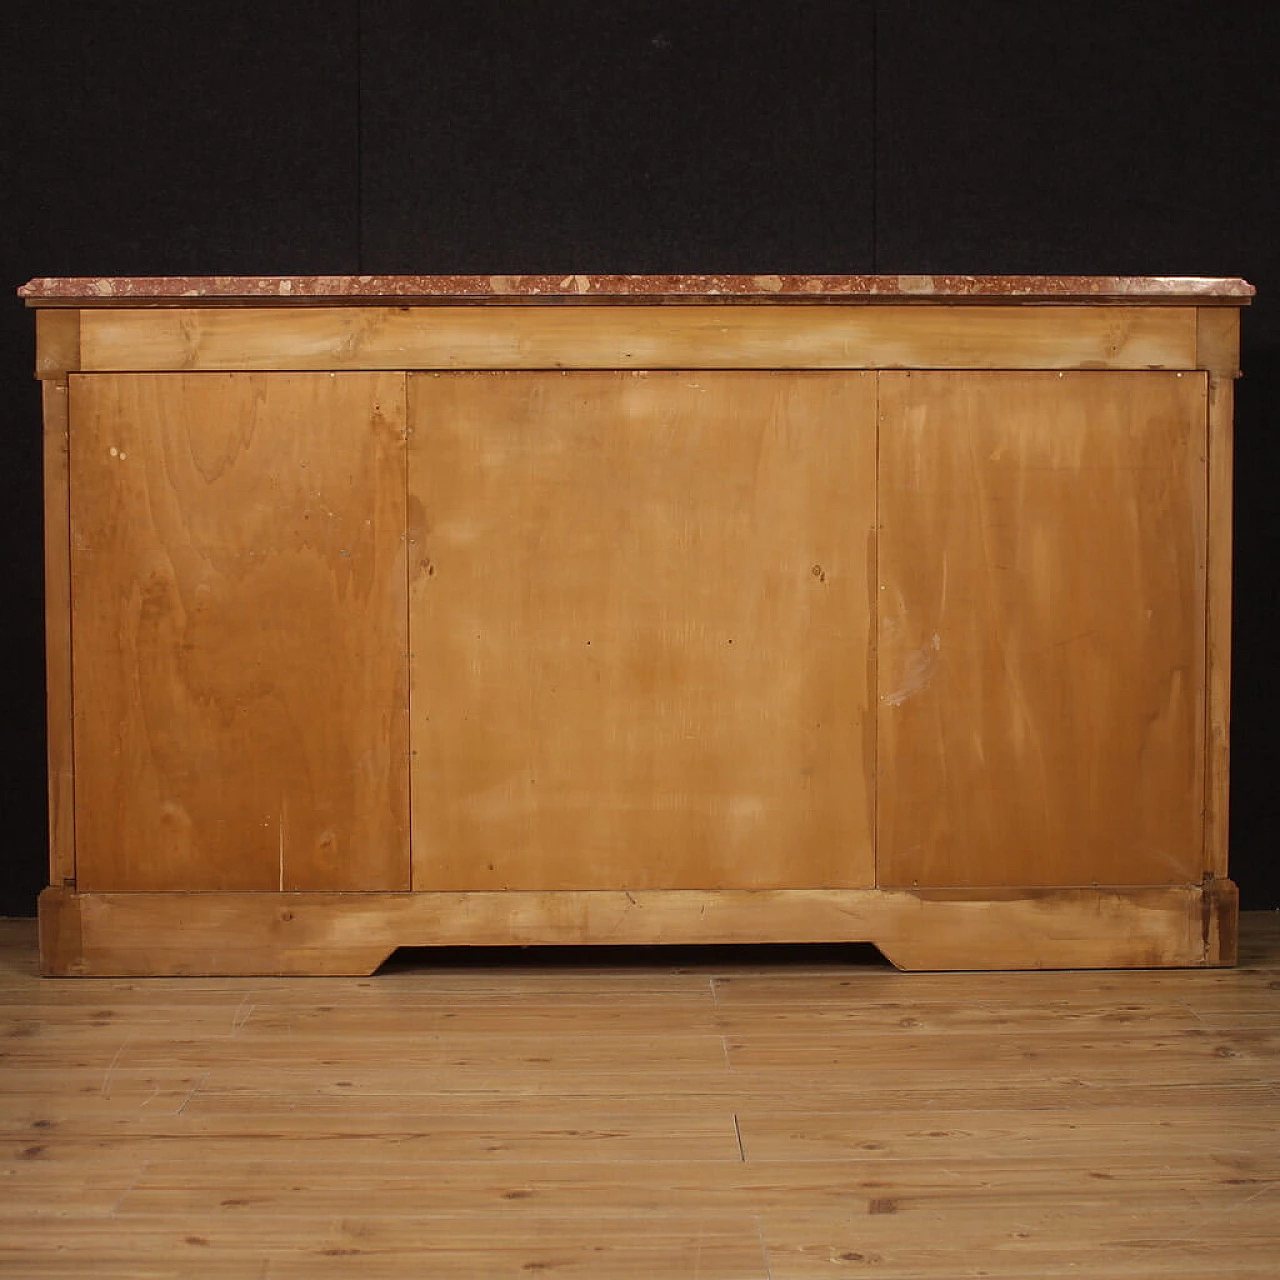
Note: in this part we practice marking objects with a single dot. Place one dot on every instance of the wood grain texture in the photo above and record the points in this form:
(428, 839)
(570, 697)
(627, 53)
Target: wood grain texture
(1218, 350)
(1221, 448)
(1218, 340)
(1042, 574)
(629, 563)
(639, 337)
(239, 610)
(1221, 921)
(57, 343)
(146, 934)
(641, 630)
(57, 630)
(739, 1116)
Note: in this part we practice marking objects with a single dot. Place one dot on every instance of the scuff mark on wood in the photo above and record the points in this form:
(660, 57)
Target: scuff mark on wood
(920, 667)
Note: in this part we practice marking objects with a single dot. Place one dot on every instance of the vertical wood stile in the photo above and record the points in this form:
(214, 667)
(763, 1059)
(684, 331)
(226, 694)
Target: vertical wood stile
(873, 641)
(57, 613)
(57, 354)
(1218, 351)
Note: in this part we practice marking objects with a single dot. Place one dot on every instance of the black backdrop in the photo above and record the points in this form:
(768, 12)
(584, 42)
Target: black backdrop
(509, 136)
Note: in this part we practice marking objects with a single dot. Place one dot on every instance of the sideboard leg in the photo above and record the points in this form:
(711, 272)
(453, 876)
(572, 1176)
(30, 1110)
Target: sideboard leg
(1221, 916)
(61, 941)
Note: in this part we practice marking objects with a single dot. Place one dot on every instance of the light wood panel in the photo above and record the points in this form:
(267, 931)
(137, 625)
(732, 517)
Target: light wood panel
(239, 631)
(639, 337)
(641, 630)
(851, 1122)
(98, 935)
(1042, 589)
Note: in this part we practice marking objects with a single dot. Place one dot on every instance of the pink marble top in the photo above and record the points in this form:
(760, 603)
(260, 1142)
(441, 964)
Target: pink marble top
(183, 290)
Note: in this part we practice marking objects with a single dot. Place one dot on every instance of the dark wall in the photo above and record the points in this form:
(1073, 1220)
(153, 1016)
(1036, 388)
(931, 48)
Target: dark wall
(399, 136)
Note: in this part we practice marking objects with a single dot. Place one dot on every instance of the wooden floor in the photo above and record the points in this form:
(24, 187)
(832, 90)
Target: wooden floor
(769, 1113)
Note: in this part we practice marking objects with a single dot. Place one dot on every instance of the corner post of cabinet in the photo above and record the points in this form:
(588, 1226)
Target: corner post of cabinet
(1218, 354)
(57, 356)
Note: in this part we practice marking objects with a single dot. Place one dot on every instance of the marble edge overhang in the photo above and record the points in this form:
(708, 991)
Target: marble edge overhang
(185, 290)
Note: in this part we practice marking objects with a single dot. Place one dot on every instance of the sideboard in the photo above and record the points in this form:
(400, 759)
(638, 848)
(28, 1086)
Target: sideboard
(410, 611)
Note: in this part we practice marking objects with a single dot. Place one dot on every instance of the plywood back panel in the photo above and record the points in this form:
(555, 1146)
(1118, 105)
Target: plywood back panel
(640, 626)
(1042, 664)
(239, 625)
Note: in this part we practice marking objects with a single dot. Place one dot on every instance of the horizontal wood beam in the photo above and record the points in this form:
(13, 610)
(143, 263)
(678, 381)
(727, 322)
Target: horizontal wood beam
(139, 934)
(680, 337)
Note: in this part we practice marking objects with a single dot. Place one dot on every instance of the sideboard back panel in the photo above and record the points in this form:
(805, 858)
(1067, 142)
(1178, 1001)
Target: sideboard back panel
(239, 631)
(641, 613)
(1042, 687)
